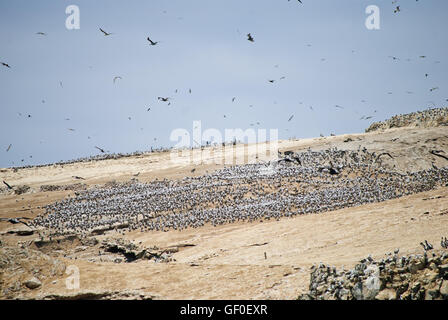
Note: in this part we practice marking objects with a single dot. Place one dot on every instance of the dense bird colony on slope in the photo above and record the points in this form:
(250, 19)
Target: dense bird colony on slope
(303, 183)
(427, 118)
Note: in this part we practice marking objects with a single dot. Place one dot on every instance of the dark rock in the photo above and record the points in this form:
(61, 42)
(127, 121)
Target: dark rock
(33, 283)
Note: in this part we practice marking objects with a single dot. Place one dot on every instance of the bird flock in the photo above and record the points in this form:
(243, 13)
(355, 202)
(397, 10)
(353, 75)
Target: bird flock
(295, 184)
(251, 38)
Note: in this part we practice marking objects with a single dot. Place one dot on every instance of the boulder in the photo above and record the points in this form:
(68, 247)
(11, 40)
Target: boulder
(357, 291)
(444, 289)
(386, 294)
(33, 283)
(371, 287)
(431, 294)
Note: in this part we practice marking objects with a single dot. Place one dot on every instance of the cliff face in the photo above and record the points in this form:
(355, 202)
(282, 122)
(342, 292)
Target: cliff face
(428, 118)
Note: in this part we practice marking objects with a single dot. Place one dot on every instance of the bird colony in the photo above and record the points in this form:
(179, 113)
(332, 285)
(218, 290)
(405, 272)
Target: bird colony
(295, 184)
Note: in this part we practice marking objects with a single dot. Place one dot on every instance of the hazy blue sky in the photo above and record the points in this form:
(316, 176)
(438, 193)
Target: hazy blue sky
(203, 46)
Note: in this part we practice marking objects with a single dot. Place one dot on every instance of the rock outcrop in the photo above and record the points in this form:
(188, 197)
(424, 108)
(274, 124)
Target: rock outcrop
(23, 269)
(132, 252)
(413, 277)
(427, 118)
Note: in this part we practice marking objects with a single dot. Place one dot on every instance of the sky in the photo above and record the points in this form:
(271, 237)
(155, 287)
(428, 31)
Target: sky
(59, 100)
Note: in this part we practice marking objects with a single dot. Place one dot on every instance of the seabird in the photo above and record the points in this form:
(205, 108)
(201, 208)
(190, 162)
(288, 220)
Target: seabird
(6, 65)
(9, 187)
(250, 38)
(105, 33)
(426, 246)
(444, 243)
(152, 42)
(117, 77)
(100, 149)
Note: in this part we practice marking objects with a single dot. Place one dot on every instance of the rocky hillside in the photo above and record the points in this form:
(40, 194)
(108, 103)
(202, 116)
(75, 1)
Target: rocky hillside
(413, 277)
(427, 118)
(23, 269)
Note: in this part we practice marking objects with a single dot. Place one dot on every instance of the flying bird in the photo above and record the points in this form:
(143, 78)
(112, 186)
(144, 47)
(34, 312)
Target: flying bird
(41, 33)
(9, 187)
(9, 147)
(116, 78)
(105, 33)
(290, 118)
(163, 99)
(250, 38)
(152, 42)
(102, 150)
(6, 65)
(397, 9)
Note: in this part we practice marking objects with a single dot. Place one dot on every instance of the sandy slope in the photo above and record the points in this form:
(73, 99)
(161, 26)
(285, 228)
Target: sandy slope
(228, 261)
